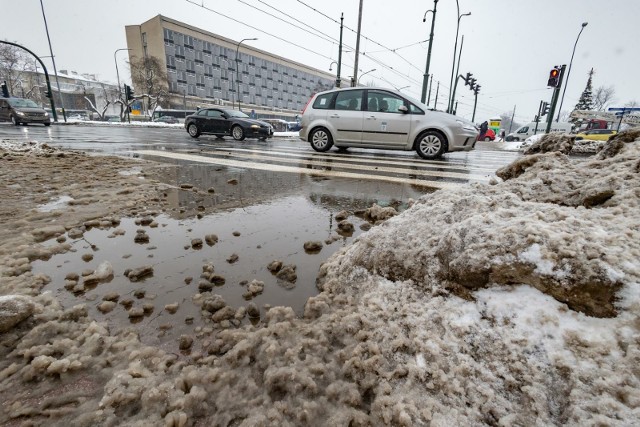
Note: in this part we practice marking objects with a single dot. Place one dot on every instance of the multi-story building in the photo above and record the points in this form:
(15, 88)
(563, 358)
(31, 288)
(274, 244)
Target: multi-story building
(201, 69)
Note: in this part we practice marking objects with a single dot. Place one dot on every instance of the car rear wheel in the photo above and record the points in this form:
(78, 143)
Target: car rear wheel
(193, 130)
(237, 133)
(321, 140)
(14, 121)
(431, 145)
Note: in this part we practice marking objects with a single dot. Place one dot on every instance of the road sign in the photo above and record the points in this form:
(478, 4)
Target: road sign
(623, 109)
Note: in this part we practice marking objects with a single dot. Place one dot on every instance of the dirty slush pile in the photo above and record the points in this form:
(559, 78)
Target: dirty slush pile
(509, 304)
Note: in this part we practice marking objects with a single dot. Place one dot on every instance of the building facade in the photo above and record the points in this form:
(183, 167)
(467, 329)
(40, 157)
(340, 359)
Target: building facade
(201, 69)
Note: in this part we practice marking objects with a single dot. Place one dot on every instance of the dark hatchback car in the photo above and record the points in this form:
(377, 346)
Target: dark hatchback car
(221, 123)
(19, 110)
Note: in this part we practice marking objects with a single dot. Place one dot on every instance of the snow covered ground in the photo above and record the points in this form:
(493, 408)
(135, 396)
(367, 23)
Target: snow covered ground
(516, 303)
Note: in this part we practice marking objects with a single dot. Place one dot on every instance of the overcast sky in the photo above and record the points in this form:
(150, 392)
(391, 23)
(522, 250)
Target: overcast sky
(509, 45)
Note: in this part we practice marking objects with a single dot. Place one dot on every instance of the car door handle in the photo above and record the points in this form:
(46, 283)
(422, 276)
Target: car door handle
(371, 118)
(335, 116)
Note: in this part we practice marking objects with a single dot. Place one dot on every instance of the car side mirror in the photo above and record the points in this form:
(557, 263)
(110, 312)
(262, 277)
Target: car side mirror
(403, 109)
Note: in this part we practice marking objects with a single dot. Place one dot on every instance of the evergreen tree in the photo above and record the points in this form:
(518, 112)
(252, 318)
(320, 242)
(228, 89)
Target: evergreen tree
(586, 99)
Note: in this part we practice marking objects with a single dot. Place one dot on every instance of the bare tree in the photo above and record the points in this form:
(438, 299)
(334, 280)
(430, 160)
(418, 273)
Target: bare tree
(631, 104)
(149, 76)
(107, 101)
(602, 97)
(14, 65)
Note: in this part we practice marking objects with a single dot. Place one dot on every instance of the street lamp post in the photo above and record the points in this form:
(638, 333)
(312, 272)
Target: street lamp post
(455, 48)
(366, 72)
(53, 60)
(117, 73)
(425, 78)
(237, 74)
(566, 83)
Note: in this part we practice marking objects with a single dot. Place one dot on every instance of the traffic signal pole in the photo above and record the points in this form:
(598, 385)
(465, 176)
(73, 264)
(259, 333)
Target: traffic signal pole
(554, 99)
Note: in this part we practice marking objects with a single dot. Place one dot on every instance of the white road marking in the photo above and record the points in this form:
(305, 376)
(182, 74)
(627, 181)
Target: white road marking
(279, 168)
(332, 163)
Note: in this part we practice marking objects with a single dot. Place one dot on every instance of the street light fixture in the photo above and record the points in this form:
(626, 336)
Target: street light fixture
(331, 65)
(455, 49)
(425, 78)
(366, 72)
(237, 74)
(117, 73)
(566, 83)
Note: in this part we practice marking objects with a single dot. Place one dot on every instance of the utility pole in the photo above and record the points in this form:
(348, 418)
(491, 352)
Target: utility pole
(455, 86)
(338, 82)
(53, 60)
(475, 103)
(426, 70)
(538, 117)
(430, 88)
(512, 116)
(355, 65)
(435, 104)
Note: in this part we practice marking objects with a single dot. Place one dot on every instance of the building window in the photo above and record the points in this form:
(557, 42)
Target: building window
(168, 36)
(179, 52)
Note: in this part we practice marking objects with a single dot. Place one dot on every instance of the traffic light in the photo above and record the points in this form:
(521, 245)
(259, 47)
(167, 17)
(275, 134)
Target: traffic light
(128, 92)
(476, 89)
(545, 109)
(5, 90)
(468, 78)
(554, 77)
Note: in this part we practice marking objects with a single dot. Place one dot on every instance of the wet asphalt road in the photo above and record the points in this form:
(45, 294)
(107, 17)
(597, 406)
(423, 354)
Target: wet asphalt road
(288, 156)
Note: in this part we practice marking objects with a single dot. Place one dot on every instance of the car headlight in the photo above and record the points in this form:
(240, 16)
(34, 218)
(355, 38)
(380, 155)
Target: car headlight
(46, 114)
(20, 113)
(467, 126)
(255, 126)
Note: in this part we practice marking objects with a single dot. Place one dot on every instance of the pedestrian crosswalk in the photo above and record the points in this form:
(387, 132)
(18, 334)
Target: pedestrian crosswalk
(454, 169)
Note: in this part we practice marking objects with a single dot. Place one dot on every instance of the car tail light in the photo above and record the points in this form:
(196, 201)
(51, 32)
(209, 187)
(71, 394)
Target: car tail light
(306, 105)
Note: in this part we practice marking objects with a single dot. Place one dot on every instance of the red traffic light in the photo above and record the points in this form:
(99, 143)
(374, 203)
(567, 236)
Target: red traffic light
(554, 77)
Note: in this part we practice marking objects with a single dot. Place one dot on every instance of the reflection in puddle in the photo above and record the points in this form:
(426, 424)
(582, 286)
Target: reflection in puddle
(236, 248)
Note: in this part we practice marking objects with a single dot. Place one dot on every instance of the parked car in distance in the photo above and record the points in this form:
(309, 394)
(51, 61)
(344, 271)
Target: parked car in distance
(278, 125)
(222, 122)
(166, 119)
(111, 119)
(490, 135)
(383, 119)
(293, 126)
(596, 135)
(19, 110)
(524, 132)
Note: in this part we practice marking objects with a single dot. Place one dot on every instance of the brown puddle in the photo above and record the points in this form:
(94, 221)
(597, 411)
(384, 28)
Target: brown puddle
(276, 230)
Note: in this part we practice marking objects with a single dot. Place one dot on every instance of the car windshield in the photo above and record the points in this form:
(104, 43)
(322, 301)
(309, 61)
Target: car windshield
(235, 113)
(25, 103)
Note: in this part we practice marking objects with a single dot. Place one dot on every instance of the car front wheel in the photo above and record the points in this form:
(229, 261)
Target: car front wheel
(431, 145)
(487, 139)
(193, 130)
(321, 140)
(237, 133)
(14, 120)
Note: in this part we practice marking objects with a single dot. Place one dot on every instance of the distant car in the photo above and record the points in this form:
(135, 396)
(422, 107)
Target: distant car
(490, 135)
(596, 135)
(20, 110)
(221, 122)
(278, 125)
(166, 119)
(384, 119)
(293, 126)
(112, 119)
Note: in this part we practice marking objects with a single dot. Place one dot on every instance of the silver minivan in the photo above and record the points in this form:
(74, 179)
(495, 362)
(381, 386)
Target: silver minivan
(384, 119)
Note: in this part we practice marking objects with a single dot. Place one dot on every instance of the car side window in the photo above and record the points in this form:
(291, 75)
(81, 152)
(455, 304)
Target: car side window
(349, 100)
(214, 114)
(202, 112)
(414, 109)
(524, 130)
(383, 102)
(322, 102)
